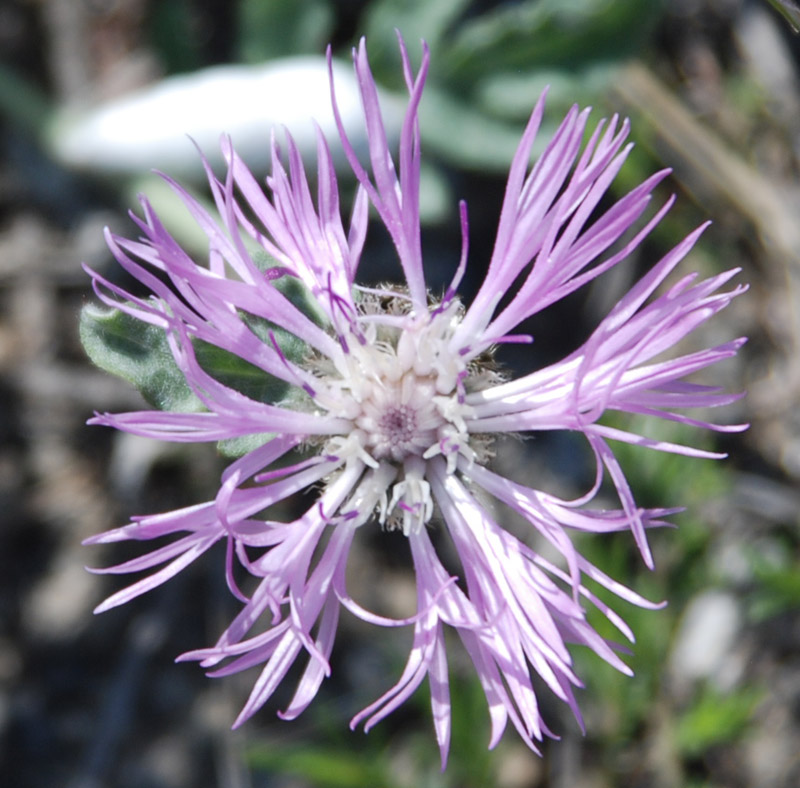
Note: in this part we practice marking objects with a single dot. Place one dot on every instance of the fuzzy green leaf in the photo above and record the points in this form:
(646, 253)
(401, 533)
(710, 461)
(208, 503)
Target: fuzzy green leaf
(139, 353)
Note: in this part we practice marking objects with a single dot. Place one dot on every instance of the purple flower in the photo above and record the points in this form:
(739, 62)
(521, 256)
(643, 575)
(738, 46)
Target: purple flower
(390, 406)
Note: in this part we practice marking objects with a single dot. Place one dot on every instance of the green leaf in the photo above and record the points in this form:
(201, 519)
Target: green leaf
(777, 588)
(270, 29)
(232, 448)
(489, 68)
(322, 767)
(139, 353)
(790, 11)
(238, 374)
(463, 136)
(716, 718)
(22, 103)
(168, 26)
(568, 34)
(292, 288)
(415, 19)
(513, 95)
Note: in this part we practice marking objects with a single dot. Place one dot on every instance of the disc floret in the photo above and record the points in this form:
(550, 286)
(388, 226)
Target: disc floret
(402, 390)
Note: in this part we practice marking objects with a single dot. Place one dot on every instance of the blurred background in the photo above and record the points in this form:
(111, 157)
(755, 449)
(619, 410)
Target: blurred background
(713, 91)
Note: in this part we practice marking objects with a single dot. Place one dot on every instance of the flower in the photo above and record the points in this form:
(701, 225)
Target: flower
(386, 402)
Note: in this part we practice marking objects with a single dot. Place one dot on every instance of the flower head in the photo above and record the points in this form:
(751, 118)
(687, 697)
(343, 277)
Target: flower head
(385, 401)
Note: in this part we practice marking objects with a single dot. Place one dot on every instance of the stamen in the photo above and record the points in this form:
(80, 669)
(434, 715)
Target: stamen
(403, 393)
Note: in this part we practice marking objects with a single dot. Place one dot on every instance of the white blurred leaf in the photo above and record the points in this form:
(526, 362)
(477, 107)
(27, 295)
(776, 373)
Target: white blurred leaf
(150, 129)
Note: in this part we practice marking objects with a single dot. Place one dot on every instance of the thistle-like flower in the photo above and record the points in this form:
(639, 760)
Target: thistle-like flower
(386, 402)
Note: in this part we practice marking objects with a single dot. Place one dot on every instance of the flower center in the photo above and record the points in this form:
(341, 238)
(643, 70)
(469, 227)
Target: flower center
(399, 418)
(401, 388)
